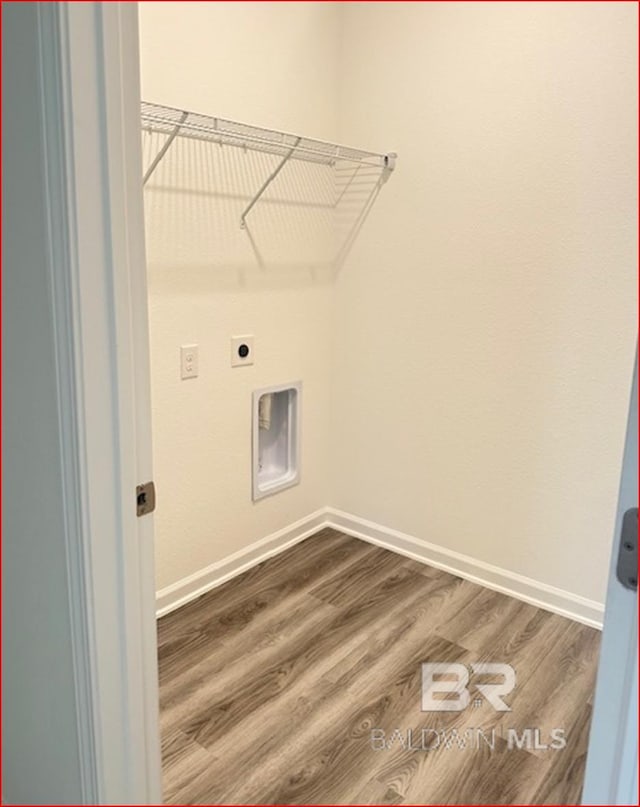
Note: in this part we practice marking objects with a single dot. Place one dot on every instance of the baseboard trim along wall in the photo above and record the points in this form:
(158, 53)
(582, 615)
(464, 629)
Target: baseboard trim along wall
(542, 595)
(559, 601)
(193, 586)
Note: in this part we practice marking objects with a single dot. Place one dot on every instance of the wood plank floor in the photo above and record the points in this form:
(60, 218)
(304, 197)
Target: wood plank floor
(300, 681)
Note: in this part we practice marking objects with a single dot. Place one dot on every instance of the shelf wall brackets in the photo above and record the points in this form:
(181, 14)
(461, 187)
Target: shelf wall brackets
(172, 136)
(268, 182)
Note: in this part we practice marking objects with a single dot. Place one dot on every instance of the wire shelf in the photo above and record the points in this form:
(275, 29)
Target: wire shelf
(164, 120)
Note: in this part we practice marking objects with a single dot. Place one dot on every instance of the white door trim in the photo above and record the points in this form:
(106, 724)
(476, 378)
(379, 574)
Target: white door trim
(90, 77)
(611, 775)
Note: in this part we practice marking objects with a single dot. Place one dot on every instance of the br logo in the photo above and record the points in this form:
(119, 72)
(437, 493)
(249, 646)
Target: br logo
(453, 690)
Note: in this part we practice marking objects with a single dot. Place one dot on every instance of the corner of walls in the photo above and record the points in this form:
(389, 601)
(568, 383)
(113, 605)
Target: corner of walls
(471, 357)
(537, 593)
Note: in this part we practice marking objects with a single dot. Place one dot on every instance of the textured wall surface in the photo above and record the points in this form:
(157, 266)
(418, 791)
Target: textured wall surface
(489, 304)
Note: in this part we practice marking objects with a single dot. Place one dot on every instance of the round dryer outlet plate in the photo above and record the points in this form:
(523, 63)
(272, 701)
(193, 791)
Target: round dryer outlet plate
(241, 351)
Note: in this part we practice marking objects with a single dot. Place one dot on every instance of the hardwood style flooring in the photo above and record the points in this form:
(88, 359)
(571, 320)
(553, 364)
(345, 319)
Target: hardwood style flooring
(300, 681)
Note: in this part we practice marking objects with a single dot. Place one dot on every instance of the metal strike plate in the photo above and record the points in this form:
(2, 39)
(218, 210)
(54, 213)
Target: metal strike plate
(627, 570)
(145, 498)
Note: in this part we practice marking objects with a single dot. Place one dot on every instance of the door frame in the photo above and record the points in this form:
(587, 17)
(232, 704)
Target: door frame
(611, 775)
(89, 69)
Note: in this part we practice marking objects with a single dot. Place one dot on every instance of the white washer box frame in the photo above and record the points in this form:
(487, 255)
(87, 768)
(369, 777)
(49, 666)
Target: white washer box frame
(292, 476)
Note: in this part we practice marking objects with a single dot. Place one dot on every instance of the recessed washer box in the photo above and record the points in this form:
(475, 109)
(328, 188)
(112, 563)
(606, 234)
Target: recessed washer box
(276, 438)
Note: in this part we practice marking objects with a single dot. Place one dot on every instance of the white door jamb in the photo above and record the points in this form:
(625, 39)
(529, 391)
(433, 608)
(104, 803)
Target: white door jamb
(90, 100)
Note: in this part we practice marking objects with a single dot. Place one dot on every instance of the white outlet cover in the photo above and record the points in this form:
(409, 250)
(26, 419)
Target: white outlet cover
(241, 345)
(189, 361)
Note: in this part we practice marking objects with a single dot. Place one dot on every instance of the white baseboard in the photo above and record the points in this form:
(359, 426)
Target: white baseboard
(187, 589)
(542, 595)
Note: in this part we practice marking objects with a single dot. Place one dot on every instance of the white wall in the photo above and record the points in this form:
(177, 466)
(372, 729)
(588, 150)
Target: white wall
(271, 64)
(476, 346)
(40, 746)
(487, 312)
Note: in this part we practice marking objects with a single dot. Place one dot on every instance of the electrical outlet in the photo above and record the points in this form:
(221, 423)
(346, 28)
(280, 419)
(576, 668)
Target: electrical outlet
(189, 361)
(241, 350)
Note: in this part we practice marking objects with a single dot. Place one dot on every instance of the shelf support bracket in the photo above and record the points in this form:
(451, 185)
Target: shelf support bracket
(164, 149)
(268, 182)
